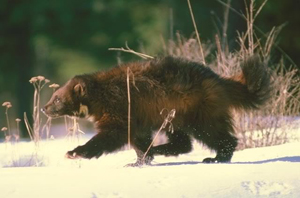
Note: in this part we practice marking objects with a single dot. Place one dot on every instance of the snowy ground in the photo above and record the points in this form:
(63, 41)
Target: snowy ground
(260, 172)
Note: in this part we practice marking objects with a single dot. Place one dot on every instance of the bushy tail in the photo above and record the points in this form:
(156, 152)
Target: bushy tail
(252, 88)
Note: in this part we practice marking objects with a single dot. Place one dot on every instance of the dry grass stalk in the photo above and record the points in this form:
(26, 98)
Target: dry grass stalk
(7, 105)
(74, 129)
(144, 56)
(225, 27)
(196, 31)
(17, 135)
(129, 72)
(129, 105)
(167, 121)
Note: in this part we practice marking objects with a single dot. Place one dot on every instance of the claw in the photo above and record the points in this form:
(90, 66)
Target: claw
(72, 155)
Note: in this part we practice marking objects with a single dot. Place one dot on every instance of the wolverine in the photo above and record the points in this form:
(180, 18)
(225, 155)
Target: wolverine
(202, 99)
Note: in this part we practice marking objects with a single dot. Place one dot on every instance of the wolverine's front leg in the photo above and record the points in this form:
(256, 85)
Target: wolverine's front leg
(110, 138)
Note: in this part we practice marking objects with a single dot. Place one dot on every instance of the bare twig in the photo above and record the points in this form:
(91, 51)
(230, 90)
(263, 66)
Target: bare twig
(144, 56)
(259, 9)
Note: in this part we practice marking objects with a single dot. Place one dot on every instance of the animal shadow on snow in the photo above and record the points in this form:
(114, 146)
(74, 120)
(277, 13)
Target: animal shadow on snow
(281, 159)
(293, 159)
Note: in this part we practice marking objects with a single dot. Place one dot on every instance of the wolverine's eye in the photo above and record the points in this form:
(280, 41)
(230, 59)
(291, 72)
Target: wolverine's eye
(57, 100)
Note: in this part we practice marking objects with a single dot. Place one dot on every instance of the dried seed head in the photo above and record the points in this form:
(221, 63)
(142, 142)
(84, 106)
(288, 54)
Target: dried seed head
(8, 106)
(4, 129)
(40, 78)
(18, 120)
(54, 85)
(33, 80)
(47, 80)
(5, 104)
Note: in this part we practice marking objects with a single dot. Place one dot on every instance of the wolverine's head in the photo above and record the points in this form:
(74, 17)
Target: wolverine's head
(67, 100)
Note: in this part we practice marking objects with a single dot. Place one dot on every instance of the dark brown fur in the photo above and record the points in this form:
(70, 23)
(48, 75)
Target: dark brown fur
(201, 98)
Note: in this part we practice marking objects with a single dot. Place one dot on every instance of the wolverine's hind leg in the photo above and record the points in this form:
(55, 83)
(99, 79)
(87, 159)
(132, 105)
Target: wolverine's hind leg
(224, 149)
(179, 143)
(217, 136)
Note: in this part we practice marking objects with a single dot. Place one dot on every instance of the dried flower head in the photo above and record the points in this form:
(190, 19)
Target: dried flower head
(18, 120)
(4, 129)
(54, 85)
(5, 104)
(33, 80)
(47, 80)
(40, 78)
(8, 106)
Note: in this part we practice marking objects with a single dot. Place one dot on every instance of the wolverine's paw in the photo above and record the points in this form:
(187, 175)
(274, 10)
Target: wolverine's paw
(216, 160)
(83, 152)
(136, 164)
(141, 162)
(210, 160)
(77, 153)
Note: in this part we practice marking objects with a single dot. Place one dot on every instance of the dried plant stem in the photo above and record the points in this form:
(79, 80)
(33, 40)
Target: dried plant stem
(168, 120)
(29, 128)
(38, 83)
(144, 56)
(250, 21)
(18, 129)
(66, 124)
(47, 127)
(225, 27)
(36, 114)
(259, 9)
(129, 101)
(220, 53)
(7, 121)
(17, 135)
(129, 106)
(74, 130)
(197, 33)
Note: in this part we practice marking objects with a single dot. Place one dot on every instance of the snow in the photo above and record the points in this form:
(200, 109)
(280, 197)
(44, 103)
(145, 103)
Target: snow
(35, 172)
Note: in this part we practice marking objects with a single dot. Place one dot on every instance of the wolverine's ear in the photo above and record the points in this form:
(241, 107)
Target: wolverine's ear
(79, 89)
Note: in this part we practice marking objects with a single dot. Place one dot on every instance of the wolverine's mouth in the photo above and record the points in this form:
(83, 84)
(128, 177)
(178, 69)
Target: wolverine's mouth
(51, 115)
